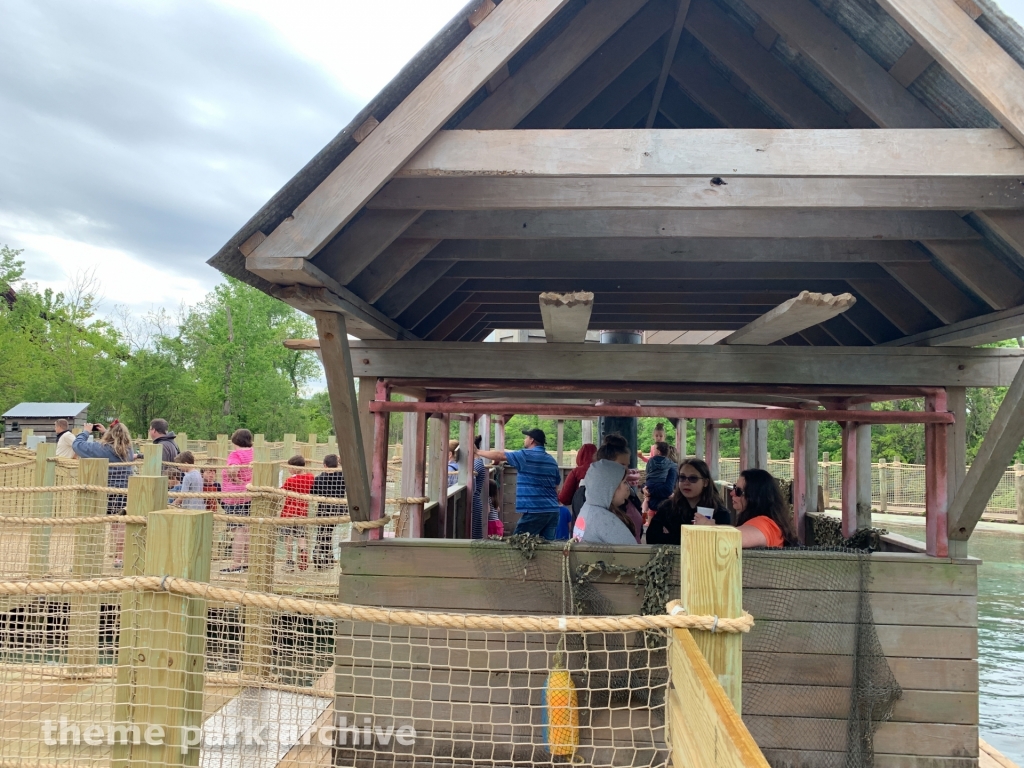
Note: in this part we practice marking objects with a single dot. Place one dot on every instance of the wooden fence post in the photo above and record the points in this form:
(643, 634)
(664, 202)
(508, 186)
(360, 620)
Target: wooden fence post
(87, 563)
(162, 647)
(883, 485)
(262, 546)
(26, 433)
(897, 482)
(39, 540)
(711, 578)
(825, 491)
(1018, 484)
(259, 439)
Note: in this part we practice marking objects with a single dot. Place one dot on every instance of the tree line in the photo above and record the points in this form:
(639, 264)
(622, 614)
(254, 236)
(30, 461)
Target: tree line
(219, 365)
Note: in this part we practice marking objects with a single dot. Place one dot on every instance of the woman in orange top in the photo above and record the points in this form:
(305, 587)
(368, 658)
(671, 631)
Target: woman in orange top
(763, 519)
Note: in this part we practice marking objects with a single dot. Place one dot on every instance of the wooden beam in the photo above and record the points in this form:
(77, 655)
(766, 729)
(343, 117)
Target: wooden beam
(481, 193)
(709, 89)
(453, 321)
(566, 316)
(1001, 442)
(791, 317)
(606, 270)
(738, 250)
(846, 64)
(402, 133)
(1008, 225)
(861, 366)
(969, 54)
(786, 223)
(339, 371)
(911, 65)
(933, 289)
(515, 98)
(684, 112)
(639, 75)
(433, 295)
(977, 268)
(599, 71)
(778, 85)
(390, 267)
(896, 304)
(416, 281)
(299, 283)
(351, 251)
(958, 153)
(670, 55)
(983, 329)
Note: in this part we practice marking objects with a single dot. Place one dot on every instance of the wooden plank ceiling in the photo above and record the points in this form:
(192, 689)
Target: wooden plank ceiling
(923, 227)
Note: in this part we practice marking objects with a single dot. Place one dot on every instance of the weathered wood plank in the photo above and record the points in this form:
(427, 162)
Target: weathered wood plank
(390, 266)
(959, 675)
(933, 289)
(517, 96)
(812, 759)
(806, 733)
(842, 225)
(403, 132)
(980, 271)
(882, 153)
(352, 250)
(571, 193)
(897, 305)
(773, 81)
(834, 702)
(983, 329)
(845, 63)
(566, 318)
(790, 317)
(698, 249)
(969, 54)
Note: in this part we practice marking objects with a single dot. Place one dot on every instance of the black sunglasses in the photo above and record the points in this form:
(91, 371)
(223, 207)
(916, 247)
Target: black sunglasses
(736, 491)
(690, 478)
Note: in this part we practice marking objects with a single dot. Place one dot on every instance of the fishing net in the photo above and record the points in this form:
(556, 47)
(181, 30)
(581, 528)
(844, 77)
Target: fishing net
(810, 604)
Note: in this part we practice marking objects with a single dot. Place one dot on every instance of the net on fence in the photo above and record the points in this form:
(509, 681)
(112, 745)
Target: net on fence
(245, 679)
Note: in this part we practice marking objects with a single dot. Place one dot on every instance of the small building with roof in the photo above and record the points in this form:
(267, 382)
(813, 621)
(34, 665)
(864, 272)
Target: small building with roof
(39, 417)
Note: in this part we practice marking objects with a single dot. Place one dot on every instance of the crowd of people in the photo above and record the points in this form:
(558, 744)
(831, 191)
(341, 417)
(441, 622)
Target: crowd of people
(602, 500)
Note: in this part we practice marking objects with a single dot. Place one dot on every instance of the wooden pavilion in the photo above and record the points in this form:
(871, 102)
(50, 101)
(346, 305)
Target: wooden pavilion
(695, 165)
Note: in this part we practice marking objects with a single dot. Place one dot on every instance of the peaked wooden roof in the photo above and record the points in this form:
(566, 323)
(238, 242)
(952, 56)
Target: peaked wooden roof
(751, 149)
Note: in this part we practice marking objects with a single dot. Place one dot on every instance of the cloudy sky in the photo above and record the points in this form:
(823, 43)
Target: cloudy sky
(137, 137)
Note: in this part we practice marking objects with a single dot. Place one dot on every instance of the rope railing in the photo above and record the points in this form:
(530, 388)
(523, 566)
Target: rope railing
(675, 618)
(361, 525)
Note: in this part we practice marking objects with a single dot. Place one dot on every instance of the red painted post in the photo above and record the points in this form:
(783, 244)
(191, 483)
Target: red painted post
(849, 479)
(379, 463)
(936, 469)
(800, 500)
(442, 506)
(471, 478)
(415, 529)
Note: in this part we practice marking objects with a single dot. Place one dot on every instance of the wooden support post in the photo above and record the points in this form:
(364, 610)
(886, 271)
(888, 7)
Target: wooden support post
(222, 446)
(344, 410)
(761, 443)
(256, 650)
(849, 479)
(260, 453)
(863, 472)
(499, 434)
(485, 432)
(883, 486)
(87, 563)
(413, 455)
(826, 494)
(312, 438)
(699, 426)
(153, 460)
(936, 488)
(39, 539)
(711, 579)
(559, 441)
(259, 439)
(801, 494)
(711, 447)
(469, 455)
(162, 645)
(366, 392)
(465, 437)
(1018, 486)
(146, 493)
(680, 425)
(956, 449)
(897, 482)
(378, 466)
(287, 446)
(811, 464)
(587, 431)
(182, 440)
(746, 438)
(417, 488)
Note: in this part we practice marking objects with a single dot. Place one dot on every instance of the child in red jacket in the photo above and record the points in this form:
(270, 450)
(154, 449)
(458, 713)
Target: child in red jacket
(299, 482)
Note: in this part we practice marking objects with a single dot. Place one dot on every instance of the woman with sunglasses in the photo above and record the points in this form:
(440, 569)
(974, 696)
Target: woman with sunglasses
(764, 519)
(694, 488)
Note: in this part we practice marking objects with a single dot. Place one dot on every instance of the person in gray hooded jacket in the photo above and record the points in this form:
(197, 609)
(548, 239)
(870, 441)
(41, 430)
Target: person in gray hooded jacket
(601, 520)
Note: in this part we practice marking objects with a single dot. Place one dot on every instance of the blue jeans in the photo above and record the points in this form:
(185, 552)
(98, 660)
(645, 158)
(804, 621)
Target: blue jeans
(543, 524)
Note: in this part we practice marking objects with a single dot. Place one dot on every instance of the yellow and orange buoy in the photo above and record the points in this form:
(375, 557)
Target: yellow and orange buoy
(561, 712)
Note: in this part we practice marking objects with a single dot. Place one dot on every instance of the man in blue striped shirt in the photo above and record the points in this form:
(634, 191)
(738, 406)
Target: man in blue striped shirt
(536, 484)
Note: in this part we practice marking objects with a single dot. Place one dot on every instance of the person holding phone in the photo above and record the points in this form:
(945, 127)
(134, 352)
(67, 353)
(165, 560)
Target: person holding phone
(764, 518)
(695, 496)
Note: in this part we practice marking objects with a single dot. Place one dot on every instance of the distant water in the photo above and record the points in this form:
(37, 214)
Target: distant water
(1000, 634)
